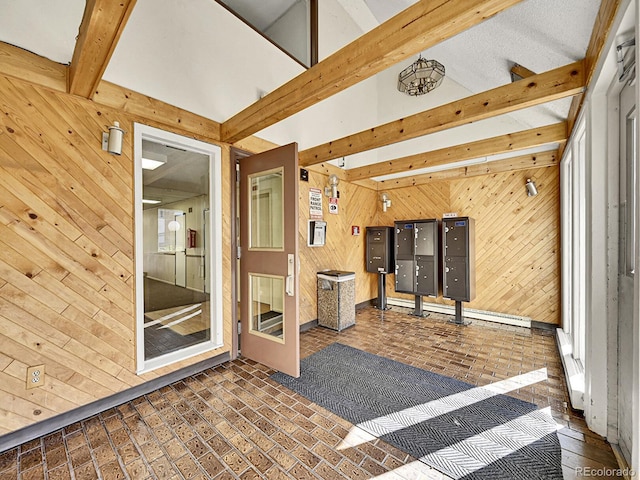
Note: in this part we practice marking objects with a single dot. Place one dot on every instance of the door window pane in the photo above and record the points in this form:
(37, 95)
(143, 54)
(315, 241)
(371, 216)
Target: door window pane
(266, 211)
(267, 305)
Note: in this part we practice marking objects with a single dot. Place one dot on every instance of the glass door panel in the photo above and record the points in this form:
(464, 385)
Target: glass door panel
(267, 306)
(176, 291)
(266, 211)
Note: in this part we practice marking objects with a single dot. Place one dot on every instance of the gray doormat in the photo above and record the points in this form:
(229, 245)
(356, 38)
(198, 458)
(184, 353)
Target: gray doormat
(464, 431)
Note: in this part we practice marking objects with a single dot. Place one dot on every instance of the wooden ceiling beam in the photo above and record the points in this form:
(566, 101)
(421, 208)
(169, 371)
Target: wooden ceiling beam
(518, 72)
(522, 162)
(511, 142)
(413, 30)
(100, 30)
(24, 65)
(545, 87)
(156, 112)
(29, 67)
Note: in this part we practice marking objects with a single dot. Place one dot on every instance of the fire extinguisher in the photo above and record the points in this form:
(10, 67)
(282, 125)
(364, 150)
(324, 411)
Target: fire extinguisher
(191, 238)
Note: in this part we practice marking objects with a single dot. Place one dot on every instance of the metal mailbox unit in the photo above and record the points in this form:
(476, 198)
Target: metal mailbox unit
(458, 261)
(417, 257)
(379, 251)
(380, 258)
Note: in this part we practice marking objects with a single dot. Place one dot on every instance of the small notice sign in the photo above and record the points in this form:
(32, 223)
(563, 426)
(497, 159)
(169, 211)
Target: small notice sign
(333, 205)
(450, 215)
(315, 203)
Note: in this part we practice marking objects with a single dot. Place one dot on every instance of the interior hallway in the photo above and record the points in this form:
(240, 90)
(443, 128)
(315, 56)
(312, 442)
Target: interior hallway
(234, 422)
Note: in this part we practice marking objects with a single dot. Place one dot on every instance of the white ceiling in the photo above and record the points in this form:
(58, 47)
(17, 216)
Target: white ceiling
(262, 15)
(196, 55)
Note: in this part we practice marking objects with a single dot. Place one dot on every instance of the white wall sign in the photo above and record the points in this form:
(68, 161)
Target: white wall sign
(333, 205)
(315, 203)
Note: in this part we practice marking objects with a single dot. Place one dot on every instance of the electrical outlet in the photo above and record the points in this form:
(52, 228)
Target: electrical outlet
(35, 376)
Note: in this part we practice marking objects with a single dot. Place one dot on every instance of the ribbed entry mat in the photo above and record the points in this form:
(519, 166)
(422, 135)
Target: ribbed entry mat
(464, 431)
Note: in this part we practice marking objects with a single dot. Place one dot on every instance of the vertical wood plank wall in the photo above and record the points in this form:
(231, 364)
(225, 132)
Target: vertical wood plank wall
(517, 237)
(67, 255)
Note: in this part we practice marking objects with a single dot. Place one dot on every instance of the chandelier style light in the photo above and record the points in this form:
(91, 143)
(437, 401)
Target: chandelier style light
(420, 77)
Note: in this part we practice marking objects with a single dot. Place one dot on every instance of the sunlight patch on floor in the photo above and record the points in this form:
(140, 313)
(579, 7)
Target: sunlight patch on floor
(511, 433)
(372, 429)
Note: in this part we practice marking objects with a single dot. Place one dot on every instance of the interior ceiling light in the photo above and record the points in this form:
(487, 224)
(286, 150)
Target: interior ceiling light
(420, 77)
(153, 160)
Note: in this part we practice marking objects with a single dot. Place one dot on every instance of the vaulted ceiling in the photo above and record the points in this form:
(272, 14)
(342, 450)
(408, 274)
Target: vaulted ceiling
(195, 55)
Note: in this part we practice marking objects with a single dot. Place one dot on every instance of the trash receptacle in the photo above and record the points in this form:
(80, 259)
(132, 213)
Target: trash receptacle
(336, 299)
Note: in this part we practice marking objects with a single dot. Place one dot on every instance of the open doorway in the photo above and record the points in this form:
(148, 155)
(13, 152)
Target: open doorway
(178, 247)
(236, 155)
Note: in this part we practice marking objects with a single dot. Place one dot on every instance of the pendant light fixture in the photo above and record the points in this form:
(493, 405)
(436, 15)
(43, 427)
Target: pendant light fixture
(420, 77)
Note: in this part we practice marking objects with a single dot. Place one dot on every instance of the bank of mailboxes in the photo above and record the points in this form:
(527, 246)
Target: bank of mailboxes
(423, 252)
(380, 250)
(458, 259)
(416, 252)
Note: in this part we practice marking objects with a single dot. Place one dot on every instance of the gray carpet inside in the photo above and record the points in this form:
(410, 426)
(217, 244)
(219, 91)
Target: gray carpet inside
(464, 431)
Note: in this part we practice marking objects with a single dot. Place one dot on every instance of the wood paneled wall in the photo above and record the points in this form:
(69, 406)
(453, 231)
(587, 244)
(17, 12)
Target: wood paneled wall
(517, 237)
(66, 249)
(67, 255)
(343, 251)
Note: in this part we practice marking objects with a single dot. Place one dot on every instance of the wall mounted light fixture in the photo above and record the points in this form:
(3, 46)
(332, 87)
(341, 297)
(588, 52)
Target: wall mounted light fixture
(386, 202)
(332, 189)
(532, 191)
(112, 141)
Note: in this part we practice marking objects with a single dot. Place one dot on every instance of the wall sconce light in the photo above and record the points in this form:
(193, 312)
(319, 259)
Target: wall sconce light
(112, 141)
(386, 202)
(332, 189)
(532, 191)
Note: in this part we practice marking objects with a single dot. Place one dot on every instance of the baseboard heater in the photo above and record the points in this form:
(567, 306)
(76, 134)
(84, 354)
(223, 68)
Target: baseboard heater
(502, 318)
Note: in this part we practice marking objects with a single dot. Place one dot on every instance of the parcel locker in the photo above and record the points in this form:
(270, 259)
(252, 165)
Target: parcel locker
(405, 239)
(426, 238)
(416, 251)
(379, 251)
(427, 276)
(458, 259)
(405, 276)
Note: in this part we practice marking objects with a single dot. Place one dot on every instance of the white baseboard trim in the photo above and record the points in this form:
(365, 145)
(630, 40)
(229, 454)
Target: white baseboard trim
(573, 370)
(502, 318)
(160, 280)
